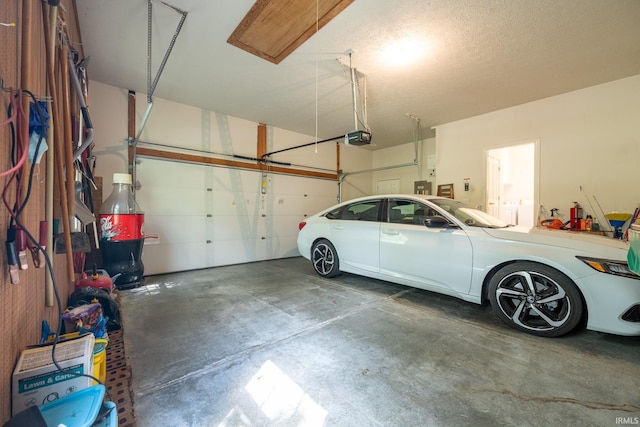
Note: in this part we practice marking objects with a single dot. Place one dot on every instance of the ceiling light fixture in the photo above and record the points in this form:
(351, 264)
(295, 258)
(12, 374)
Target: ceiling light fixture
(404, 51)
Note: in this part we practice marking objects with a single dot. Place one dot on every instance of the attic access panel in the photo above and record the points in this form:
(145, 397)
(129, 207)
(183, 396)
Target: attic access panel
(272, 29)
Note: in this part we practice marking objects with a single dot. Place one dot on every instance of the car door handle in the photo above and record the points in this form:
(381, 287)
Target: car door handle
(390, 232)
(338, 227)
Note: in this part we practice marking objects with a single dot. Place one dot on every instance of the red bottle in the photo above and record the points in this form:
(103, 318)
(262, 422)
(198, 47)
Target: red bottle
(122, 234)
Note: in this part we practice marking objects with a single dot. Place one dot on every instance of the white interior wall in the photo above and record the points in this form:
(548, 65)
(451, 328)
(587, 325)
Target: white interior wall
(108, 109)
(207, 216)
(588, 138)
(387, 162)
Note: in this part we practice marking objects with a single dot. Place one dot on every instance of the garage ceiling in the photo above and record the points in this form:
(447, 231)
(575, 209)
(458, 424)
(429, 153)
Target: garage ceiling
(476, 56)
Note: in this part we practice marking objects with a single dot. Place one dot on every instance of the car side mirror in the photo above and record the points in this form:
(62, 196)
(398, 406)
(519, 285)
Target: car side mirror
(437, 222)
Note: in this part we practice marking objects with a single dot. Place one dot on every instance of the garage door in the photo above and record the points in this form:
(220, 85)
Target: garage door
(202, 216)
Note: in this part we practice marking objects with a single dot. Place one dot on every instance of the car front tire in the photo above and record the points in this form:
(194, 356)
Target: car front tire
(536, 299)
(325, 259)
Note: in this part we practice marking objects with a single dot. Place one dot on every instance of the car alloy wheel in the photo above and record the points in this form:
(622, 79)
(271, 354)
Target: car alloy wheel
(325, 259)
(536, 299)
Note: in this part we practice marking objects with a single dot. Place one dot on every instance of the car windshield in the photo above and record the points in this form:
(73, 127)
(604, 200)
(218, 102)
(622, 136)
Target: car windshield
(469, 216)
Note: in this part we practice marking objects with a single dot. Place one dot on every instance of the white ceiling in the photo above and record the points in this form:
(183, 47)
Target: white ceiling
(483, 55)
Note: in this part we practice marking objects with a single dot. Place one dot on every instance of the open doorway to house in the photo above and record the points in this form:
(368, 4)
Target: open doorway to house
(512, 174)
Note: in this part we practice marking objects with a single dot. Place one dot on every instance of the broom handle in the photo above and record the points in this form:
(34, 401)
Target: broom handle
(68, 138)
(59, 149)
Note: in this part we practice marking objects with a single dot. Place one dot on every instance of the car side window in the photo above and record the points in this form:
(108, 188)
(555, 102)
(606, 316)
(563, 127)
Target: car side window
(403, 211)
(358, 211)
(334, 214)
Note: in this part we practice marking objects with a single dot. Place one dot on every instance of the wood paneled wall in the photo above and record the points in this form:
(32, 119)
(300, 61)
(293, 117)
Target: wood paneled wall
(23, 306)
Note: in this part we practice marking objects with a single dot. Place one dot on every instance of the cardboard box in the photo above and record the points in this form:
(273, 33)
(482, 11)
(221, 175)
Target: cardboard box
(36, 380)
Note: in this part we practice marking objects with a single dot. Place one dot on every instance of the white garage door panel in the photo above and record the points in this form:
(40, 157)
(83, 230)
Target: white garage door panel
(238, 251)
(284, 185)
(164, 174)
(299, 206)
(287, 205)
(226, 203)
(234, 227)
(176, 229)
(283, 226)
(301, 196)
(189, 205)
(281, 247)
(236, 181)
(320, 203)
(160, 259)
(172, 201)
(291, 205)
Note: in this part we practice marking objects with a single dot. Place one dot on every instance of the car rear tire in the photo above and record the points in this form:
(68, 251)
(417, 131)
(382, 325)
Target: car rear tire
(325, 259)
(536, 299)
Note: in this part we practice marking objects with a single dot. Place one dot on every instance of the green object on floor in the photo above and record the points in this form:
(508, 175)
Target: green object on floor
(633, 255)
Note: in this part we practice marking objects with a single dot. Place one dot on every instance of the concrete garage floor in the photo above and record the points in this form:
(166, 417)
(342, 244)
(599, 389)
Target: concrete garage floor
(272, 343)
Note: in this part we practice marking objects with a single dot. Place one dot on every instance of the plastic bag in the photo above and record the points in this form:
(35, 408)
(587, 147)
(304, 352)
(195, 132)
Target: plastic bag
(86, 318)
(85, 295)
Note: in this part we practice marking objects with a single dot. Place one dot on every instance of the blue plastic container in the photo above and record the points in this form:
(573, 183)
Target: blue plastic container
(78, 409)
(110, 420)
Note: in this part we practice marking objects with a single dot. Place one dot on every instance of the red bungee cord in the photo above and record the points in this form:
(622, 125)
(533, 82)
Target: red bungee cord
(16, 119)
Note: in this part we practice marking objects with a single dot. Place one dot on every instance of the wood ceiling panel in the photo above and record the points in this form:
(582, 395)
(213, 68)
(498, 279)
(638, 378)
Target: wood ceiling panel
(272, 29)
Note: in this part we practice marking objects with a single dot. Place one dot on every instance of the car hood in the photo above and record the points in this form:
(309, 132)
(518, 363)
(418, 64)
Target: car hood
(580, 241)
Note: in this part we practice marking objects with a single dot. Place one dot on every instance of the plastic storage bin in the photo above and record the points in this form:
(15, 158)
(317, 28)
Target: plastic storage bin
(78, 409)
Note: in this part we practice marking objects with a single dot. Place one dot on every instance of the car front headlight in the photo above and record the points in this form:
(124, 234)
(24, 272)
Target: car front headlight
(618, 268)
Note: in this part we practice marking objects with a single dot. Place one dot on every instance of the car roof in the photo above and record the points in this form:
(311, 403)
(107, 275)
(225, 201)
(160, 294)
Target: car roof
(394, 195)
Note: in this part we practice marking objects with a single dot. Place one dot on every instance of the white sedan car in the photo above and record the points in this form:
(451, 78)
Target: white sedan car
(544, 282)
